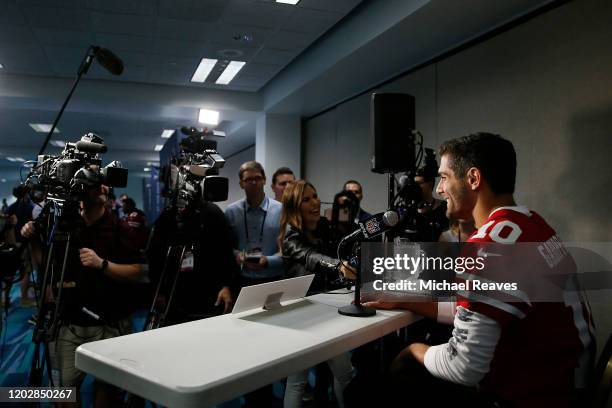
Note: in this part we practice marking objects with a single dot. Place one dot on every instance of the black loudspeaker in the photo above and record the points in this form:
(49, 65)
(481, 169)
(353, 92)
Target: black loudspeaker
(391, 138)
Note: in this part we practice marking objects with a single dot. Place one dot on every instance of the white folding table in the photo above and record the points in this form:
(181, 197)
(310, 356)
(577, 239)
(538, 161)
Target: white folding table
(210, 361)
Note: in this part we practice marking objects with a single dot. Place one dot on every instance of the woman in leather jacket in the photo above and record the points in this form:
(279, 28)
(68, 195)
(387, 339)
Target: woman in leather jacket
(303, 246)
(305, 238)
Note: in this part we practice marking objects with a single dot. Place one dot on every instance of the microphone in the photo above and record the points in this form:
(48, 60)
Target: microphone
(373, 226)
(108, 60)
(90, 147)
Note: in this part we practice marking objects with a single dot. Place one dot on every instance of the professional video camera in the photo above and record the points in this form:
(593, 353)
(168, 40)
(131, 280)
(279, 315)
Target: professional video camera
(191, 184)
(69, 175)
(193, 173)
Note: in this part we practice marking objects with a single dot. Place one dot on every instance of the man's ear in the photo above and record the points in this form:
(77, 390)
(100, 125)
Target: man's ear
(474, 178)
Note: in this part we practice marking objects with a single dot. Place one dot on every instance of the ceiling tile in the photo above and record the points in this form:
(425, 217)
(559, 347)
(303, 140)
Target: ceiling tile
(200, 10)
(273, 56)
(16, 34)
(183, 29)
(311, 21)
(52, 36)
(234, 35)
(341, 6)
(53, 17)
(123, 23)
(261, 14)
(162, 61)
(10, 13)
(259, 70)
(223, 51)
(117, 42)
(179, 48)
(290, 40)
(67, 4)
(141, 7)
(64, 60)
(28, 58)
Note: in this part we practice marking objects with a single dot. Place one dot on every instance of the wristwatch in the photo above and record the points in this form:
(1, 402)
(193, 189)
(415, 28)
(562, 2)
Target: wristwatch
(104, 265)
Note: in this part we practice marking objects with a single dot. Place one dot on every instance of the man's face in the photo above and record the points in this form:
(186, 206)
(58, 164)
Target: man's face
(97, 196)
(460, 201)
(252, 182)
(355, 189)
(426, 186)
(282, 181)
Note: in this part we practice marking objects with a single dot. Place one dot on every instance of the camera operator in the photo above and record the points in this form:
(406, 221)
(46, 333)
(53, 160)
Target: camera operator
(208, 271)
(355, 187)
(95, 302)
(431, 212)
(304, 238)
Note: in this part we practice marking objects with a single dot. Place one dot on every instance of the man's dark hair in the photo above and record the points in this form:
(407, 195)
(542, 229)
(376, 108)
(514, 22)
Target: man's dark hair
(253, 166)
(493, 155)
(129, 202)
(280, 172)
(352, 182)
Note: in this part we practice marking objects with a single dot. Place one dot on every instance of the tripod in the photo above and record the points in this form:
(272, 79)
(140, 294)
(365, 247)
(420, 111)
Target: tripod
(66, 220)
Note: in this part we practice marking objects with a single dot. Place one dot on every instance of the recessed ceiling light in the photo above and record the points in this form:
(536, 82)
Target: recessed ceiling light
(230, 72)
(202, 71)
(167, 133)
(58, 143)
(147, 169)
(294, 2)
(43, 127)
(3, 180)
(1, 66)
(158, 147)
(219, 133)
(152, 163)
(210, 117)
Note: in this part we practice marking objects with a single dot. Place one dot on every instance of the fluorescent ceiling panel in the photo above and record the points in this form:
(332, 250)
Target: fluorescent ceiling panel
(230, 72)
(158, 147)
(167, 133)
(43, 127)
(203, 70)
(294, 2)
(209, 117)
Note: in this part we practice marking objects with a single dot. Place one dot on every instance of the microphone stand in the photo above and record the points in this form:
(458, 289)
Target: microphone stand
(85, 64)
(356, 309)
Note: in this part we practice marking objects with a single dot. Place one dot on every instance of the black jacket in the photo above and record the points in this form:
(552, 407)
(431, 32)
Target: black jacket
(303, 257)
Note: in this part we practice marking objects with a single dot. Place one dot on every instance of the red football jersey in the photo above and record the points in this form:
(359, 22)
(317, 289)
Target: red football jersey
(544, 348)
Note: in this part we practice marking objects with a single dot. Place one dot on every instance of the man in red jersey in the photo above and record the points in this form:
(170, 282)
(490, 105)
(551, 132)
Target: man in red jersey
(519, 354)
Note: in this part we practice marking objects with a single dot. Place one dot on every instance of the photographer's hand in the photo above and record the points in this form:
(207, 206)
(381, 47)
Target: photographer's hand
(225, 297)
(28, 230)
(90, 259)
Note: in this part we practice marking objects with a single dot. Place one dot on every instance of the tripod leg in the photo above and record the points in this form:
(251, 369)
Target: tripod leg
(176, 276)
(152, 317)
(40, 331)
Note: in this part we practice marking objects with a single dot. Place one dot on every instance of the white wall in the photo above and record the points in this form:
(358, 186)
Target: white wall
(546, 85)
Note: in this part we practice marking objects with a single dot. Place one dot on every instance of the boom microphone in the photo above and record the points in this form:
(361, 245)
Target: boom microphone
(108, 60)
(373, 226)
(90, 147)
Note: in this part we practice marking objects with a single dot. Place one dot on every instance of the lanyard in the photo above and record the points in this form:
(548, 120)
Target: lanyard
(246, 226)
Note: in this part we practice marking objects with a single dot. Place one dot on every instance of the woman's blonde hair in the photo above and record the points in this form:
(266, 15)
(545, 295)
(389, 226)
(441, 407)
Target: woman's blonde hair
(291, 214)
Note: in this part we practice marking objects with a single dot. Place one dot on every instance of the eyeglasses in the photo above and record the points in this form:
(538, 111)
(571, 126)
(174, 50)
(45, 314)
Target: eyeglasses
(254, 179)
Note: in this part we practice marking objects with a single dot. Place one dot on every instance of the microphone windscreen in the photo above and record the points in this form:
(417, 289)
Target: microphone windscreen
(110, 61)
(90, 147)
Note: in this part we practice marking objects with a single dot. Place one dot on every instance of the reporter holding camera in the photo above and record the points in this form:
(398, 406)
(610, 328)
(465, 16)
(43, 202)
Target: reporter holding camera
(95, 301)
(302, 239)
